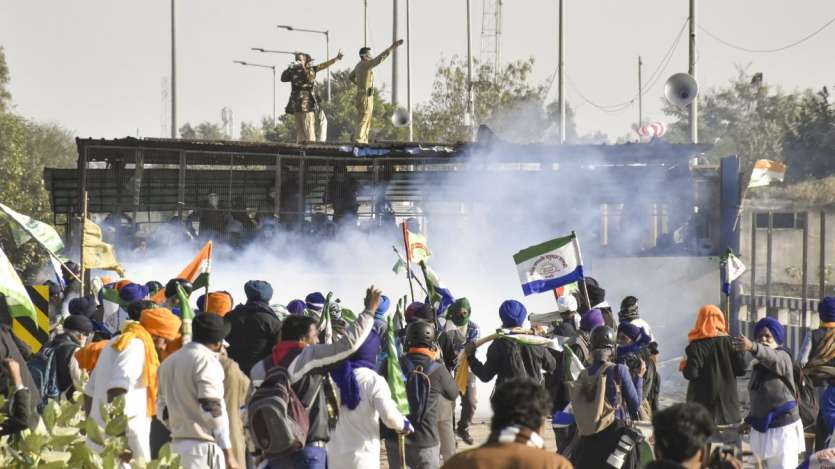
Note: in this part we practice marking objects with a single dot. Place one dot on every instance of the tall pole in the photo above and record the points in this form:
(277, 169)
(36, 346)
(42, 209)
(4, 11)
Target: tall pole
(394, 53)
(327, 57)
(561, 66)
(470, 117)
(173, 74)
(365, 23)
(640, 94)
(409, 67)
(694, 106)
(274, 121)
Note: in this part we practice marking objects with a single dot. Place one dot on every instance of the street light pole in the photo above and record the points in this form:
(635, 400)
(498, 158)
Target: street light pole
(328, 57)
(561, 66)
(271, 67)
(326, 33)
(694, 105)
(365, 23)
(470, 117)
(173, 74)
(394, 53)
(409, 67)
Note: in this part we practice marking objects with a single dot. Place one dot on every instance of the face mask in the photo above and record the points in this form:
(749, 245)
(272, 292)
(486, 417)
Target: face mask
(460, 320)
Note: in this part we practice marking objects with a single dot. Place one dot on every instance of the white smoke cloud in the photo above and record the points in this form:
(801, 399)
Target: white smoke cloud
(477, 217)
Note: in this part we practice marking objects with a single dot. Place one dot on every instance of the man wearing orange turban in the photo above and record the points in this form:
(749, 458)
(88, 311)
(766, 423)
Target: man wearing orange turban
(712, 365)
(127, 366)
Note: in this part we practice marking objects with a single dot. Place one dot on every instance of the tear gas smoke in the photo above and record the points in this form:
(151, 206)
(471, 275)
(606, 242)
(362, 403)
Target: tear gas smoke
(477, 216)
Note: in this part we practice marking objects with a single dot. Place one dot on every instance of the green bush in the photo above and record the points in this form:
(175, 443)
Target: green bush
(60, 440)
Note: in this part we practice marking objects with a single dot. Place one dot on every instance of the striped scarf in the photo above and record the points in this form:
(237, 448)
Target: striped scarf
(517, 434)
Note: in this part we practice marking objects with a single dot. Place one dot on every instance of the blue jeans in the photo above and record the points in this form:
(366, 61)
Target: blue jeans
(309, 457)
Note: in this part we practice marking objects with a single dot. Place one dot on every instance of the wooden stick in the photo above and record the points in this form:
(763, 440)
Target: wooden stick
(408, 260)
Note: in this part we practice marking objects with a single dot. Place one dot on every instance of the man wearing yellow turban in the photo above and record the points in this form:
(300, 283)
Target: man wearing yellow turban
(127, 366)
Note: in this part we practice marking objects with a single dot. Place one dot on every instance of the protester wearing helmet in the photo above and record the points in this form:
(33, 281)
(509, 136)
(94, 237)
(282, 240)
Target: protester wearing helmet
(424, 445)
(599, 431)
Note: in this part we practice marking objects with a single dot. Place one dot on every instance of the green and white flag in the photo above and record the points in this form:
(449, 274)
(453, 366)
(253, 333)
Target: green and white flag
(18, 301)
(25, 228)
(186, 313)
(549, 265)
(396, 381)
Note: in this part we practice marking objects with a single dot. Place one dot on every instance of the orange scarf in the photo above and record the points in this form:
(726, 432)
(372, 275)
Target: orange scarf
(88, 355)
(432, 354)
(132, 331)
(710, 323)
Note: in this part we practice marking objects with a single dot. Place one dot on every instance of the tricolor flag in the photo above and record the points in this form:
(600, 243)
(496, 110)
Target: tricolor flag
(766, 171)
(196, 272)
(438, 295)
(734, 268)
(549, 265)
(418, 249)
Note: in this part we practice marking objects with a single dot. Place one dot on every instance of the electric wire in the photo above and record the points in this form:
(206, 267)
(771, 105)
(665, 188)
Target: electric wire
(651, 81)
(767, 51)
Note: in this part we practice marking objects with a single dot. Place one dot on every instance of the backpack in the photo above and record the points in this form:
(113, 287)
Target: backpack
(44, 372)
(592, 412)
(805, 394)
(418, 389)
(278, 421)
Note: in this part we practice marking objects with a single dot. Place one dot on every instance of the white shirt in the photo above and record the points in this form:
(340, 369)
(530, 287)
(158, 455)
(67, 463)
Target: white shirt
(355, 442)
(123, 370)
(644, 325)
(190, 374)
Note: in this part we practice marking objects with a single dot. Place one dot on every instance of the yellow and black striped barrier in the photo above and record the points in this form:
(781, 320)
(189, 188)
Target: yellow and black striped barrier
(34, 333)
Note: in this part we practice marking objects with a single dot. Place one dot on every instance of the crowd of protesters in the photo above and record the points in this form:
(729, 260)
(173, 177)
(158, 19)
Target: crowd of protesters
(309, 384)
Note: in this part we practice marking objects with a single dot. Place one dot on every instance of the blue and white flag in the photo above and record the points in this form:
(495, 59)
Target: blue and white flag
(549, 265)
(734, 268)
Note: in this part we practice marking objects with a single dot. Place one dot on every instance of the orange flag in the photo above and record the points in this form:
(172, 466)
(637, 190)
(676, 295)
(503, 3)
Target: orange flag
(197, 268)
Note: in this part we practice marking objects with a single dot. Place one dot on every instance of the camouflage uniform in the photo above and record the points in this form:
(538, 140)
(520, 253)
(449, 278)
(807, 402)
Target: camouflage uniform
(303, 99)
(363, 77)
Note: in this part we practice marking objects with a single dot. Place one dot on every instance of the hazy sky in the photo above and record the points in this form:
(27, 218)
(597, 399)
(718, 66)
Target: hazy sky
(98, 66)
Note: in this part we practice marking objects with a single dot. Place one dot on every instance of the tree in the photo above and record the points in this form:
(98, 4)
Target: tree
(51, 145)
(506, 101)
(5, 96)
(747, 117)
(22, 189)
(809, 148)
(204, 131)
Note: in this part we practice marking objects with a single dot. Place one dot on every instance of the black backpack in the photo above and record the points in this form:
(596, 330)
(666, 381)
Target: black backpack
(804, 393)
(44, 372)
(807, 397)
(418, 389)
(278, 421)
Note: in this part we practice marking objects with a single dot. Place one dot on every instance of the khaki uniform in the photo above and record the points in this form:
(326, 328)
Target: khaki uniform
(363, 77)
(303, 99)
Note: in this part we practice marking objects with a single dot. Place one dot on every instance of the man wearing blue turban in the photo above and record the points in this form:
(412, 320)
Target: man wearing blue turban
(508, 358)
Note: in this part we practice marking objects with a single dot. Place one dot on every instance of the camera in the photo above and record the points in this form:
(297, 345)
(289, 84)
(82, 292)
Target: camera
(628, 439)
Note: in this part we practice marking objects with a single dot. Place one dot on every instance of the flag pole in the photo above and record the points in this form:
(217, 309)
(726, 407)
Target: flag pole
(580, 260)
(83, 222)
(410, 272)
(408, 260)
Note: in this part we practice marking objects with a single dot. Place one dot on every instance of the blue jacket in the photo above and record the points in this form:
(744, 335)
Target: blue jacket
(631, 389)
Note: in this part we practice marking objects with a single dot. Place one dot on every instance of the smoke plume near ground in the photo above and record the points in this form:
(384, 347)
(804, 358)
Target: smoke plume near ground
(477, 217)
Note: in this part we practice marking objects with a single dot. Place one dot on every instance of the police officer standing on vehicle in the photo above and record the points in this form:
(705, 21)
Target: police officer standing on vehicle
(303, 100)
(363, 77)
